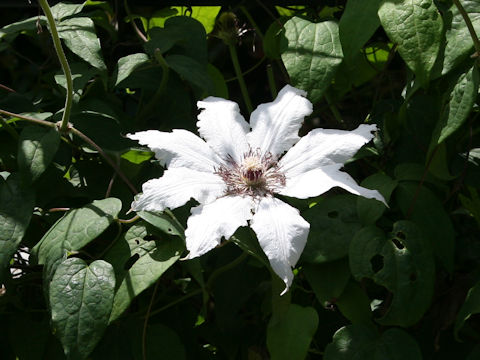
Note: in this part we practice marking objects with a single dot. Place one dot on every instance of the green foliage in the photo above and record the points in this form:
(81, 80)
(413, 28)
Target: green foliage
(83, 278)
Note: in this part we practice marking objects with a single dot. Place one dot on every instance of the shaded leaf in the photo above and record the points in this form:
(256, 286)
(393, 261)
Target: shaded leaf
(312, 54)
(427, 211)
(416, 27)
(364, 343)
(290, 337)
(470, 307)
(401, 262)
(36, 148)
(358, 23)
(16, 208)
(369, 210)
(81, 300)
(162, 222)
(139, 262)
(333, 223)
(191, 70)
(354, 304)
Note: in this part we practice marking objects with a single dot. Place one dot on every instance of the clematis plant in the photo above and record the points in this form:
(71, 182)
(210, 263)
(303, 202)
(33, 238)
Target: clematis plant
(236, 170)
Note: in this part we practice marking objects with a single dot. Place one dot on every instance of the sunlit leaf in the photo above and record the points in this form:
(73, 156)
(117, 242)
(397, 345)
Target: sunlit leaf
(128, 64)
(311, 54)
(416, 27)
(81, 299)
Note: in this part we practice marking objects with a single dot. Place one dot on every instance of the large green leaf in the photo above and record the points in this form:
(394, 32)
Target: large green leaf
(127, 65)
(81, 299)
(191, 70)
(401, 262)
(427, 211)
(290, 337)
(459, 43)
(139, 263)
(369, 210)
(79, 36)
(311, 55)
(63, 10)
(162, 222)
(36, 148)
(333, 223)
(460, 104)
(328, 280)
(73, 231)
(354, 304)
(361, 342)
(358, 23)
(416, 27)
(16, 208)
(470, 307)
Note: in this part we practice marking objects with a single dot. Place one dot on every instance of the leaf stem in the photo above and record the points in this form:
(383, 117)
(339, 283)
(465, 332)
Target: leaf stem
(28, 118)
(471, 29)
(63, 61)
(145, 323)
(241, 80)
(140, 35)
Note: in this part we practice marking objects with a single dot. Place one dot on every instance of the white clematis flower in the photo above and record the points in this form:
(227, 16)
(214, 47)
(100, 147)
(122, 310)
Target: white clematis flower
(235, 173)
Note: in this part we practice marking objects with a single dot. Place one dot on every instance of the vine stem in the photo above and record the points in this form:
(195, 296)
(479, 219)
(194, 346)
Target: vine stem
(241, 80)
(145, 323)
(63, 61)
(471, 29)
(28, 118)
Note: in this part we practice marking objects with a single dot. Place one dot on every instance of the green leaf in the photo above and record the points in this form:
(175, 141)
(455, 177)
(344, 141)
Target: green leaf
(272, 39)
(36, 148)
(312, 54)
(11, 31)
(79, 36)
(181, 35)
(191, 70)
(127, 65)
(328, 280)
(290, 337)
(206, 15)
(63, 10)
(81, 299)
(460, 104)
(73, 231)
(354, 304)
(219, 85)
(16, 208)
(403, 263)
(358, 23)
(470, 307)
(459, 43)
(333, 223)
(162, 222)
(369, 210)
(137, 156)
(361, 342)
(82, 73)
(139, 263)
(422, 207)
(416, 27)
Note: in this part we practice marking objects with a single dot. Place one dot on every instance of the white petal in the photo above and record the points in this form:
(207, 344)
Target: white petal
(179, 148)
(208, 223)
(275, 125)
(324, 147)
(282, 234)
(316, 182)
(176, 187)
(223, 127)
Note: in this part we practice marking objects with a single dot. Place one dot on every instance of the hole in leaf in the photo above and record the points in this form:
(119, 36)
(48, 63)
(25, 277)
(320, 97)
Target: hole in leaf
(333, 214)
(137, 241)
(398, 243)
(413, 277)
(129, 263)
(377, 263)
(149, 238)
(400, 235)
(169, 230)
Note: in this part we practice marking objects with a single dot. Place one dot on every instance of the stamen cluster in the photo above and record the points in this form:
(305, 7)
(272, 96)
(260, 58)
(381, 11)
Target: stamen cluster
(256, 175)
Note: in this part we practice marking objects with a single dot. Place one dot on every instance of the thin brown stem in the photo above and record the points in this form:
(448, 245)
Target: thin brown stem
(28, 118)
(6, 88)
(106, 157)
(145, 323)
(139, 33)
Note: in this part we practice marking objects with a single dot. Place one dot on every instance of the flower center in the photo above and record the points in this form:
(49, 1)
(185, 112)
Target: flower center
(256, 174)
